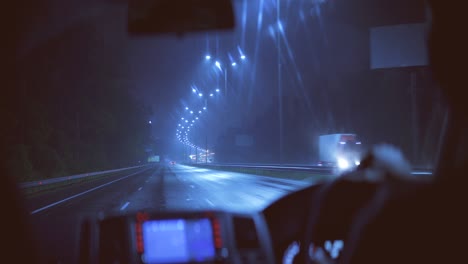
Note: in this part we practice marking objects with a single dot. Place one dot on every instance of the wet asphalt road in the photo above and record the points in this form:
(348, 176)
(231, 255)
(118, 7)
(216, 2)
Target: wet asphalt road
(56, 216)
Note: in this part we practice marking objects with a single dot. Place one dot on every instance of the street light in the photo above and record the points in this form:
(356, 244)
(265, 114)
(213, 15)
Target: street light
(208, 57)
(211, 94)
(193, 90)
(204, 108)
(149, 122)
(200, 94)
(225, 72)
(186, 108)
(191, 112)
(199, 112)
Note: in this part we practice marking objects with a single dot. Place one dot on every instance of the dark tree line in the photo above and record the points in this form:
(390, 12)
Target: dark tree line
(68, 110)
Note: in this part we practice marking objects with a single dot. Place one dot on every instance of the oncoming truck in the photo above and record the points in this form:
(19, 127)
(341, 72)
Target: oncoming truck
(339, 150)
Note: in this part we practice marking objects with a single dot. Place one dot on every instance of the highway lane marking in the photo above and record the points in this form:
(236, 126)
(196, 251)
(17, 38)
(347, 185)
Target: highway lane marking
(421, 173)
(140, 188)
(124, 206)
(82, 193)
(208, 201)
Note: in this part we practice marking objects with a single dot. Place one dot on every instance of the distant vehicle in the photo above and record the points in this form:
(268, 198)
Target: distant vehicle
(173, 162)
(339, 150)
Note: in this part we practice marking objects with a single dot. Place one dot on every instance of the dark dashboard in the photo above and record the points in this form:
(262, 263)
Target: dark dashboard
(177, 237)
(271, 236)
(199, 236)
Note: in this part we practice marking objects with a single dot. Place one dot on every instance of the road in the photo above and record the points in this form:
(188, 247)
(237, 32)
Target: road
(55, 216)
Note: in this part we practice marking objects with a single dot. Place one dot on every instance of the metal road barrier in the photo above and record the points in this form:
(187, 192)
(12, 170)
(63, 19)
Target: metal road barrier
(288, 167)
(301, 168)
(74, 177)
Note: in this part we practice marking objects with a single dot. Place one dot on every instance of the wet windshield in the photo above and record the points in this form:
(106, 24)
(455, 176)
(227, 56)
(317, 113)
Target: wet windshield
(291, 83)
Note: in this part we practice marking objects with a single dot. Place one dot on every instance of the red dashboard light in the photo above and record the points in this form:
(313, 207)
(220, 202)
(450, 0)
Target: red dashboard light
(217, 233)
(141, 217)
(218, 242)
(140, 247)
(139, 238)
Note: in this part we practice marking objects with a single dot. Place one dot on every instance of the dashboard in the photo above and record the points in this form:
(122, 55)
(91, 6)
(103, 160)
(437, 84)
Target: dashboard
(177, 237)
(270, 236)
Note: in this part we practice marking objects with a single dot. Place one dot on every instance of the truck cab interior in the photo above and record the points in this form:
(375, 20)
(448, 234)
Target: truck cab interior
(390, 220)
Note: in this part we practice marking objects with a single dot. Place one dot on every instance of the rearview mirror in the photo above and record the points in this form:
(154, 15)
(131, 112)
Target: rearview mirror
(149, 17)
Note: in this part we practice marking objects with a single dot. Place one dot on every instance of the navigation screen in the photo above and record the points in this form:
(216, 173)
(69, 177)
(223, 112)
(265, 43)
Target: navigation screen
(177, 241)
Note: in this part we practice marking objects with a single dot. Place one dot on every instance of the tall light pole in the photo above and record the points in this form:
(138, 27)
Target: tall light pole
(225, 81)
(280, 90)
(224, 69)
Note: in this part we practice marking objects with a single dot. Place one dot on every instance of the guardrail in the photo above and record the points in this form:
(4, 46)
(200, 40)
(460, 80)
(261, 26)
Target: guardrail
(74, 177)
(321, 169)
(300, 173)
(291, 167)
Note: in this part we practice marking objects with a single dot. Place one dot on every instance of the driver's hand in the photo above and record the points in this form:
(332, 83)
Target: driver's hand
(319, 256)
(381, 163)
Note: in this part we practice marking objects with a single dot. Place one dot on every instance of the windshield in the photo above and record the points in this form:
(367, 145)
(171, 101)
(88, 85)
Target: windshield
(293, 81)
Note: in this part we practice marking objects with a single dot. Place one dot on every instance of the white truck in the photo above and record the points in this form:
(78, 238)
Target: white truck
(339, 150)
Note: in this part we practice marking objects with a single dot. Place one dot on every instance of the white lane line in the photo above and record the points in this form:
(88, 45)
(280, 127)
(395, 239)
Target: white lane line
(80, 194)
(210, 202)
(124, 206)
(421, 173)
(140, 188)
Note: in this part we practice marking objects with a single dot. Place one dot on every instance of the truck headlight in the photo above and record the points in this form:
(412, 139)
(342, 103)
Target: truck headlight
(357, 162)
(342, 163)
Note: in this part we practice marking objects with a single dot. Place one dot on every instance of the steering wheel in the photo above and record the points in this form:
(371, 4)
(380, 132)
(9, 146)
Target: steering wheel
(333, 208)
(336, 204)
